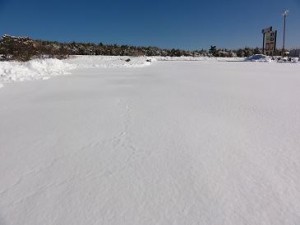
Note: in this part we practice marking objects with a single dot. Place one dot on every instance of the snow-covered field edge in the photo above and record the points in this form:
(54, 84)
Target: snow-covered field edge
(43, 69)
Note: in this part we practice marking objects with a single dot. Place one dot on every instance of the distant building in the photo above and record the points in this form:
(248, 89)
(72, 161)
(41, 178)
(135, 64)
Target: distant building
(294, 53)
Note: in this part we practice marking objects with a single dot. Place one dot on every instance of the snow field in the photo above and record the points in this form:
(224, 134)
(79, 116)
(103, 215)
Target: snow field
(178, 143)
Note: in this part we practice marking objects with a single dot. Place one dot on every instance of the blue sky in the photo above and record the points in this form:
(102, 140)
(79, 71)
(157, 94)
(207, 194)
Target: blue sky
(189, 24)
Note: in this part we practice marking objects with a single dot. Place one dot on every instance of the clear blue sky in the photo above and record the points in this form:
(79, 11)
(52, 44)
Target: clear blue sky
(189, 24)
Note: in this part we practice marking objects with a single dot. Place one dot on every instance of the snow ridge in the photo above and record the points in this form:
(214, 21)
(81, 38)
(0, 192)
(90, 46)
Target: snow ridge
(84, 62)
(43, 69)
(38, 69)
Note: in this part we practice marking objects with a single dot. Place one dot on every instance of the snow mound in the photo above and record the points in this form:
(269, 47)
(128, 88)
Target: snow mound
(258, 58)
(33, 70)
(43, 69)
(110, 61)
(288, 60)
(295, 60)
(183, 58)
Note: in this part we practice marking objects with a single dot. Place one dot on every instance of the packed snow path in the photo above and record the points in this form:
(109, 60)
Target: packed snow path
(180, 143)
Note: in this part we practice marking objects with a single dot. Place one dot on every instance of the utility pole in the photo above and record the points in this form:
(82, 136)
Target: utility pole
(263, 48)
(286, 12)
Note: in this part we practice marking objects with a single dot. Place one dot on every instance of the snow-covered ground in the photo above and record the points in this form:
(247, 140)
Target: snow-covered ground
(184, 143)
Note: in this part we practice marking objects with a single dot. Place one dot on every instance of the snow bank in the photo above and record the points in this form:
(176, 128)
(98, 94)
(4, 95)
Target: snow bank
(33, 70)
(183, 58)
(258, 58)
(110, 61)
(295, 60)
(199, 58)
(288, 60)
(46, 68)
(278, 59)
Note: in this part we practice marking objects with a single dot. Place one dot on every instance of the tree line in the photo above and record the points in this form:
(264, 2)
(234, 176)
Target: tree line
(25, 48)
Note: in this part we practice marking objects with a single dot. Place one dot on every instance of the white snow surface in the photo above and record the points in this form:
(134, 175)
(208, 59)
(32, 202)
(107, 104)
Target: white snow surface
(173, 143)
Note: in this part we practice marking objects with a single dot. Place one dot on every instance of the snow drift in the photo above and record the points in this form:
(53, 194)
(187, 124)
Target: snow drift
(33, 70)
(45, 68)
(198, 58)
(258, 58)
(110, 61)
